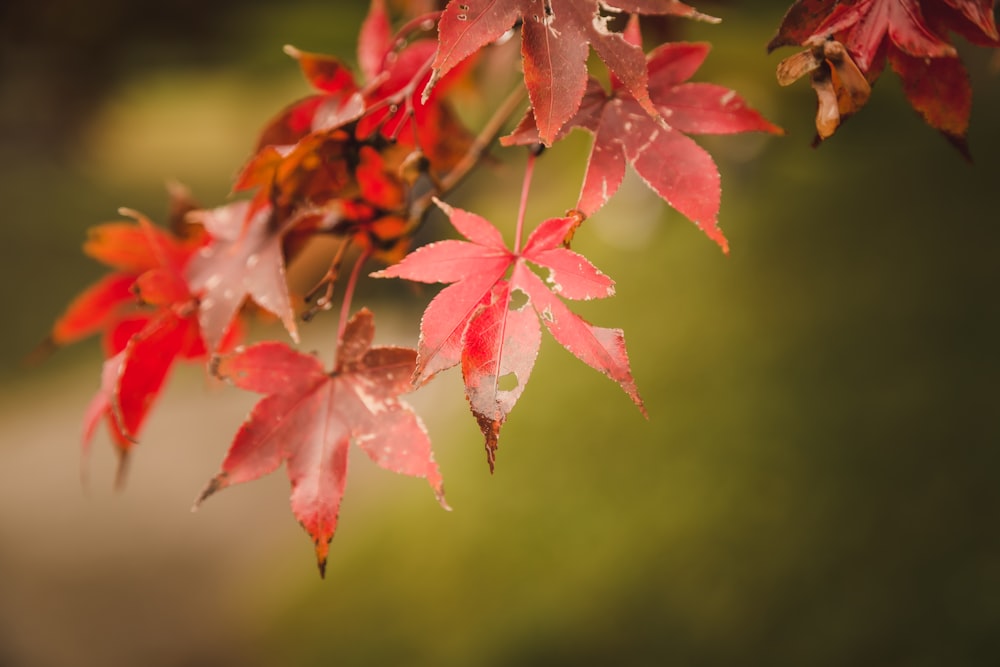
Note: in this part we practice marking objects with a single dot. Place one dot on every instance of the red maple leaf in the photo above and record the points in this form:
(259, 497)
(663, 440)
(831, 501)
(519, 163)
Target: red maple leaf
(146, 336)
(481, 322)
(671, 163)
(145, 311)
(309, 417)
(132, 379)
(913, 35)
(131, 250)
(244, 258)
(336, 102)
(556, 37)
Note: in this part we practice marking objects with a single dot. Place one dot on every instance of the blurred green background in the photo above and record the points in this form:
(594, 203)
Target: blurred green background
(816, 484)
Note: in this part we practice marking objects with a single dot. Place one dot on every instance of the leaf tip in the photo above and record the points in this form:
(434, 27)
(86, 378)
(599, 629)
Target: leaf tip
(641, 405)
(713, 232)
(960, 143)
(444, 206)
(704, 18)
(439, 494)
(491, 431)
(421, 375)
(629, 387)
(40, 352)
(425, 94)
(130, 213)
(215, 484)
(322, 551)
(122, 471)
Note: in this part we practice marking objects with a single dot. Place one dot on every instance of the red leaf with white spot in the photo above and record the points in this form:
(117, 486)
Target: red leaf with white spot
(478, 321)
(244, 258)
(309, 417)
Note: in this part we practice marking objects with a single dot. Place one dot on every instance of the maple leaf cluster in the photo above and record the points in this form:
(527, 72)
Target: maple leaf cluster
(345, 162)
(363, 159)
(850, 41)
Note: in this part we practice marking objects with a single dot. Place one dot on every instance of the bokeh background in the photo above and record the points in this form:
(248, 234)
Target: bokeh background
(817, 483)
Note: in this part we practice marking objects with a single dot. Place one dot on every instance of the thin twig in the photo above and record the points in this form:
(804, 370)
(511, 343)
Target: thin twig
(472, 156)
(329, 282)
(483, 140)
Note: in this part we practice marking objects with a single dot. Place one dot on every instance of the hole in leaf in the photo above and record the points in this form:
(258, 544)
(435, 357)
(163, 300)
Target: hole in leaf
(518, 300)
(507, 382)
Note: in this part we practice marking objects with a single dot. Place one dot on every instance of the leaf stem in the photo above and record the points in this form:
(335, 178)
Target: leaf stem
(404, 96)
(345, 306)
(529, 171)
(327, 284)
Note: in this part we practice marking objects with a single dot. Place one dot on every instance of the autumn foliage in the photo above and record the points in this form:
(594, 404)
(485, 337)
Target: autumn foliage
(376, 146)
(850, 41)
